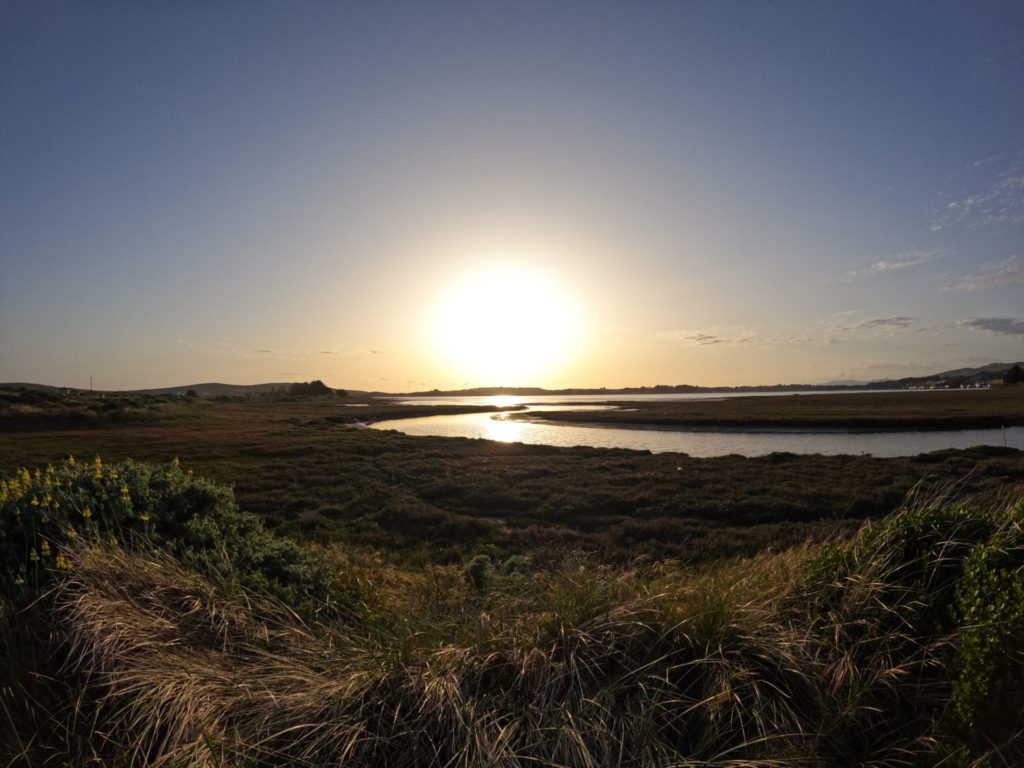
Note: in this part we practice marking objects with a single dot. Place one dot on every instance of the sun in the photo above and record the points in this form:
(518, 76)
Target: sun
(505, 326)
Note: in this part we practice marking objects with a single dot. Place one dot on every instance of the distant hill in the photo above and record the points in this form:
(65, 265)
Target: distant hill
(992, 369)
(213, 389)
(210, 389)
(947, 379)
(955, 378)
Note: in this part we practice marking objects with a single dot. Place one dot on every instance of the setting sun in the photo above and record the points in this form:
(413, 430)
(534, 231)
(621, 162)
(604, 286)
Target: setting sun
(432, 369)
(505, 324)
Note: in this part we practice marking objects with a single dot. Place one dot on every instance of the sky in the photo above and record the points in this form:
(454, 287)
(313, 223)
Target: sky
(408, 196)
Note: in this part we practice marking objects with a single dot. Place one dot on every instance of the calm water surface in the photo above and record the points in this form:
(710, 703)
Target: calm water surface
(696, 443)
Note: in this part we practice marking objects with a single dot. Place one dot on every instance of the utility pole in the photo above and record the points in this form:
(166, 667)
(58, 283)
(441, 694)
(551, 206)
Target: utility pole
(90, 385)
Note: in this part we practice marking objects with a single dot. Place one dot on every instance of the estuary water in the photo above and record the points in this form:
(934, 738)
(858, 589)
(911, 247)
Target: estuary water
(700, 443)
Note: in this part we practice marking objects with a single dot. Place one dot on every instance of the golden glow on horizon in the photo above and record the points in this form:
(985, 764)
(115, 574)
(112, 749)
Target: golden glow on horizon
(505, 326)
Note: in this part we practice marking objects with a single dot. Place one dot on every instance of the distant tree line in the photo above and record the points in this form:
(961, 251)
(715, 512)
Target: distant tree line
(316, 387)
(1014, 375)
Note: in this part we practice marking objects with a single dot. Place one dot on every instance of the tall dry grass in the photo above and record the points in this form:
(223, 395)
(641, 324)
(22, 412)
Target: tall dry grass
(852, 654)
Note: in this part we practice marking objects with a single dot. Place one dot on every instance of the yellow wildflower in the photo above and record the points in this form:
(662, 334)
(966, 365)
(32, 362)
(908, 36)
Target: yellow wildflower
(33, 555)
(45, 548)
(86, 513)
(71, 460)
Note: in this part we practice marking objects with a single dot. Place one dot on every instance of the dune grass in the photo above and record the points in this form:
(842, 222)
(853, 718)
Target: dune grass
(901, 646)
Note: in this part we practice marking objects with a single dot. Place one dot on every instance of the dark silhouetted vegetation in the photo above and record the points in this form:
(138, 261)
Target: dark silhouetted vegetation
(308, 388)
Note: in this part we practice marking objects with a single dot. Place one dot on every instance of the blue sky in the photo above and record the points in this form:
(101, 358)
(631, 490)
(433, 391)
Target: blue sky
(725, 192)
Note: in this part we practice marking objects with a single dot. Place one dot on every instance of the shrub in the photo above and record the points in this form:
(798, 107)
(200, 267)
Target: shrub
(988, 693)
(517, 565)
(306, 388)
(158, 506)
(932, 595)
(478, 573)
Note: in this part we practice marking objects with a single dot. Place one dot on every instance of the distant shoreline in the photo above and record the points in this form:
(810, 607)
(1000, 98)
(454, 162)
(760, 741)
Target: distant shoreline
(934, 411)
(780, 427)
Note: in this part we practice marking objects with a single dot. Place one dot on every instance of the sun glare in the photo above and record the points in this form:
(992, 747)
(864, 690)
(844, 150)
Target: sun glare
(505, 326)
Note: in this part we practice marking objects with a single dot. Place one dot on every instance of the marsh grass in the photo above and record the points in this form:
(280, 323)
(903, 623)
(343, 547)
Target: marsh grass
(444, 500)
(898, 647)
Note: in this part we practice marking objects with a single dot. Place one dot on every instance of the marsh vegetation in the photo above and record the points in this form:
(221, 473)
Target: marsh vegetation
(293, 591)
(166, 626)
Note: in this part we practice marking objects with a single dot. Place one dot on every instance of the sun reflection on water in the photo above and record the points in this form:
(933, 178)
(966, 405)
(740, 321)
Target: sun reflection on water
(503, 429)
(504, 401)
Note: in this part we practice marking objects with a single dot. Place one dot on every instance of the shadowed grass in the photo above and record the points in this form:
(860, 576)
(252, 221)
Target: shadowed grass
(898, 647)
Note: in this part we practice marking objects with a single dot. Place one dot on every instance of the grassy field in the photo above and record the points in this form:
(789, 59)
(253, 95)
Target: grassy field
(918, 410)
(295, 465)
(267, 585)
(146, 620)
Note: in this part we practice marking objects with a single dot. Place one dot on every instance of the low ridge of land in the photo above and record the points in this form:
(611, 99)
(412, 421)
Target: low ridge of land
(871, 411)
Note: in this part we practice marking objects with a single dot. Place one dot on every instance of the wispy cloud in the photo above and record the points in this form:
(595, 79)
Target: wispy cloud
(231, 349)
(898, 323)
(708, 338)
(1007, 272)
(834, 329)
(998, 199)
(711, 337)
(904, 261)
(1000, 326)
(848, 326)
(911, 258)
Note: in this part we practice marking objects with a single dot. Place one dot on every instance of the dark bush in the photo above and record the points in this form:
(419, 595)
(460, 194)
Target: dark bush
(161, 506)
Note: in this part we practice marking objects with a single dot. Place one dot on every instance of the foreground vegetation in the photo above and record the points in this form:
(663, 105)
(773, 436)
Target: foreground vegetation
(166, 626)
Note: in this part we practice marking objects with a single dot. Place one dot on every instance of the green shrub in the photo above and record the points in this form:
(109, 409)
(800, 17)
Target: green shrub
(933, 594)
(517, 565)
(988, 693)
(479, 572)
(162, 506)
